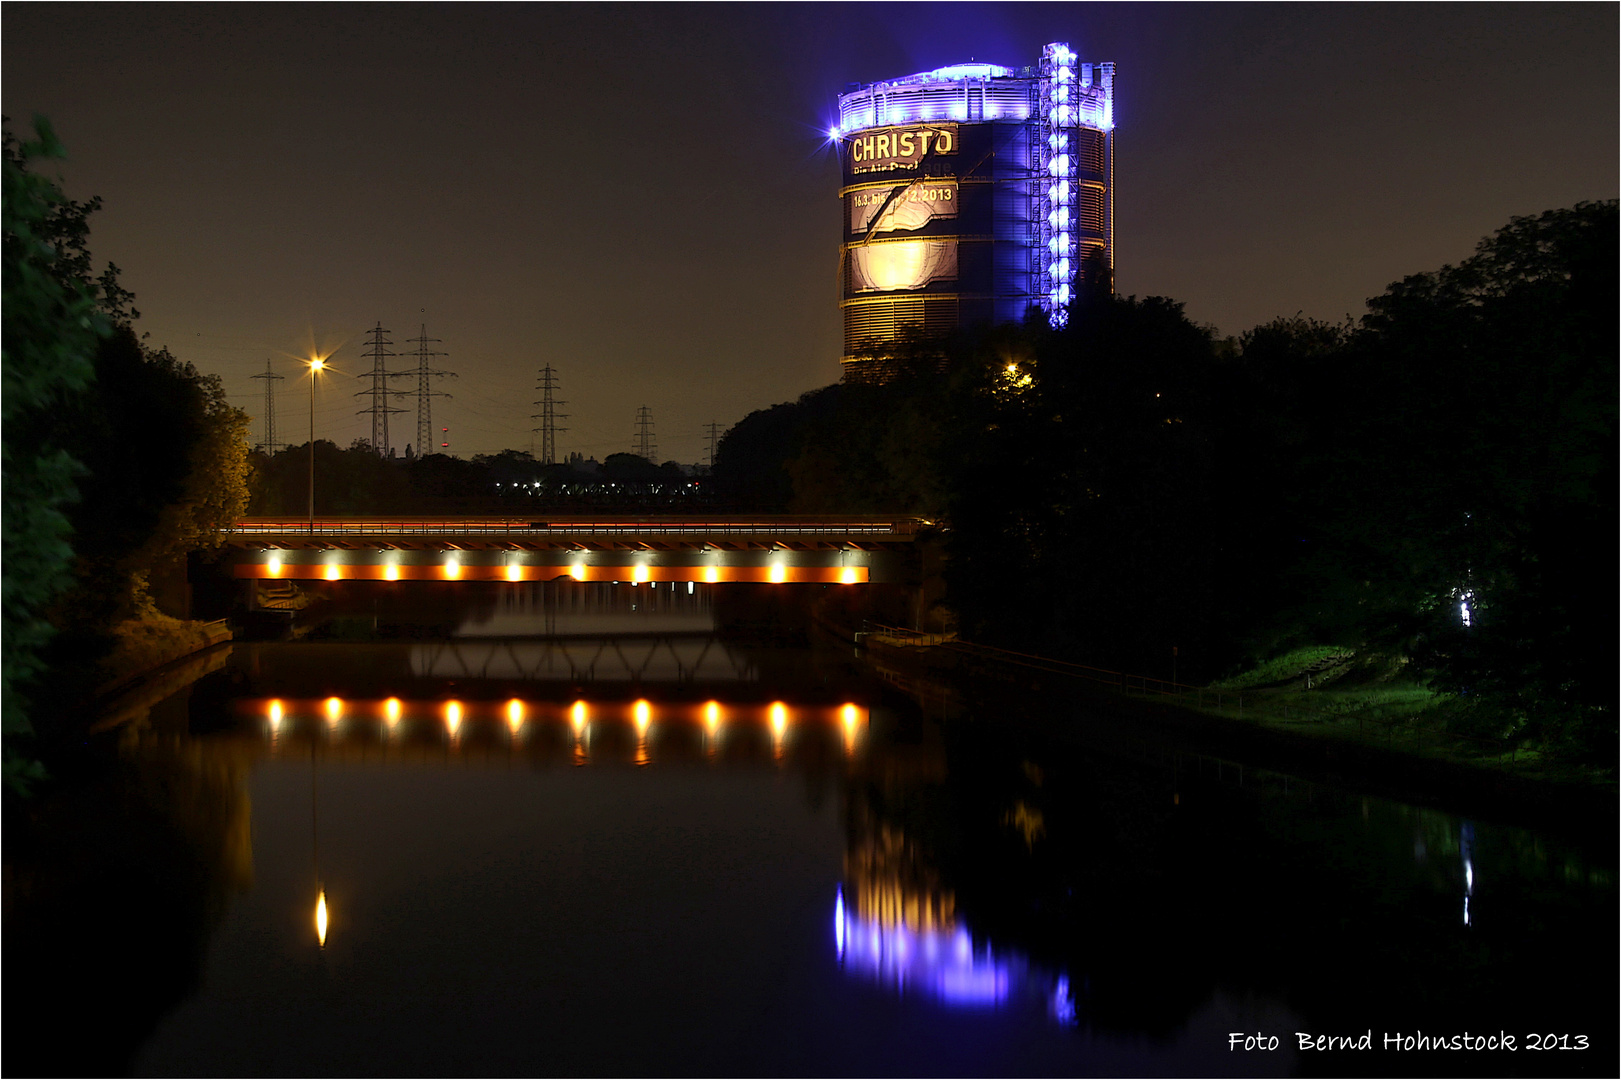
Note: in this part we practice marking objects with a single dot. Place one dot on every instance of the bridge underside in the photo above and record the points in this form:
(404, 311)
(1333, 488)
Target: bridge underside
(777, 551)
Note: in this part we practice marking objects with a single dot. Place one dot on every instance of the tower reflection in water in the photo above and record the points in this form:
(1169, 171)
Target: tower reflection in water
(900, 929)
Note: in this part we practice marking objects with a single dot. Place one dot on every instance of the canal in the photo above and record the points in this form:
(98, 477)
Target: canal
(601, 829)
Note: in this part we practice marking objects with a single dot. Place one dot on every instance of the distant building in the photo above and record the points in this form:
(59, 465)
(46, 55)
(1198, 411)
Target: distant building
(582, 464)
(971, 194)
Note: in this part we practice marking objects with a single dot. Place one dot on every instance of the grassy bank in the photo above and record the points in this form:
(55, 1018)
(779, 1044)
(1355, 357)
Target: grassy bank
(152, 640)
(1375, 700)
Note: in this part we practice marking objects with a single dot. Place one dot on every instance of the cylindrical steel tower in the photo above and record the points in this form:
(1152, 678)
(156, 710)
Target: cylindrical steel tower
(971, 194)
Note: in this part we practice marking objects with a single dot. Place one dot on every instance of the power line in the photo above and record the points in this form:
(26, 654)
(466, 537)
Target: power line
(379, 392)
(642, 442)
(714, 440)
(424, 392)
(270, 445)
(548, 416)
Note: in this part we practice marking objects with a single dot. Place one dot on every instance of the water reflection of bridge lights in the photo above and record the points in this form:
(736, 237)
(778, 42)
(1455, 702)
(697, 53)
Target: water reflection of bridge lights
(943, 963)
(644, 718)
(779, 728)
(850, 725)
(695, 727)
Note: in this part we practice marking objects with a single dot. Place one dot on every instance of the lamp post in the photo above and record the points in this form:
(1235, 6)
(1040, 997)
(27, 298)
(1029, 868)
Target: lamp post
(316, 366)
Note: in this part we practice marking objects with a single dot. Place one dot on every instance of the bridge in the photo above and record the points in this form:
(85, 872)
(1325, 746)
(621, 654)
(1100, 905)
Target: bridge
(821, 550)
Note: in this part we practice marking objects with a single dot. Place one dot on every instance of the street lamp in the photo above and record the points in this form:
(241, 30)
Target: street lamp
(316, 366)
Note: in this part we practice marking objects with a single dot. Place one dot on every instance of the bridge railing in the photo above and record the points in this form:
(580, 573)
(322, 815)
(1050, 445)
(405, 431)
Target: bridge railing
(517, 527)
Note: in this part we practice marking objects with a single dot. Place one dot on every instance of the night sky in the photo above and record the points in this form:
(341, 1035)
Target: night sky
(643, 197)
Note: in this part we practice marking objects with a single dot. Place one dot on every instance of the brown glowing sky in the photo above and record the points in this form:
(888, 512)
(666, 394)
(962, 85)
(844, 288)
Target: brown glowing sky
(641, 196)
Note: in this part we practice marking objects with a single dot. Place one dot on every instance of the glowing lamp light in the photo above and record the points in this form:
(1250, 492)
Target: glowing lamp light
(514, 572)
(711, 574)
(275, 713)
(391, 711)
(577, 716)
(779, 573)
(712, 717)
(453, 716)
(638, 574)
(320, 918)
(392, 572)
(334, 710)
(453, 567)
(332, 572)
(643, 711)
(273, 564)
(847, 576)
(515, 715)
(779, 719)
(577, 571)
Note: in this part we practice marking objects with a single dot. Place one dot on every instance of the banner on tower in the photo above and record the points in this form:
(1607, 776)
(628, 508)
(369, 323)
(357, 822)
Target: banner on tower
(901, 264)
(914, 205)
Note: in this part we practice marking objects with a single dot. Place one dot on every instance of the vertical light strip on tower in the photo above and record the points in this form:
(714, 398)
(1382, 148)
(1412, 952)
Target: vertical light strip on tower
(1058, 168)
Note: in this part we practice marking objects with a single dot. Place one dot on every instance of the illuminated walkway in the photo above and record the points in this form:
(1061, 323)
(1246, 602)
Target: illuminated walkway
(714, 550)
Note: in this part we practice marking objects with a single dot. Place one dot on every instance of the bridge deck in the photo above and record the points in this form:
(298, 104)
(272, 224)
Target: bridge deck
(638, 549)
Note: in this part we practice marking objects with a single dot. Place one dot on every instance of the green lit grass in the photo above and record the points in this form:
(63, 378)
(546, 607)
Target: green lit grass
(1282, 668)
(1371, 700)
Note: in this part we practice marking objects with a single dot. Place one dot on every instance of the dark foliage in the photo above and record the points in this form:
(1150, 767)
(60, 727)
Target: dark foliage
(1130, 486)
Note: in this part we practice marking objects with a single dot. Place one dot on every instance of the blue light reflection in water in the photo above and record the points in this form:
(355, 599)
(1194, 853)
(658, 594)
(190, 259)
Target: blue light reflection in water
(942, 963)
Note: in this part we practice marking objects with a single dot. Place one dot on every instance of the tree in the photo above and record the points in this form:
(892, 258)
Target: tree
(1083, 487)
(1474, 457)
(52, 319)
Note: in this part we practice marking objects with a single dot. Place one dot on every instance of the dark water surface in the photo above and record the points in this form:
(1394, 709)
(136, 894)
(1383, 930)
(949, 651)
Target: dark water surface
(570, 830)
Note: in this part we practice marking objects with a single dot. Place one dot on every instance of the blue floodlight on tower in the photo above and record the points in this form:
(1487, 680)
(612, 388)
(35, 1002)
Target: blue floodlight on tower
(972, 193)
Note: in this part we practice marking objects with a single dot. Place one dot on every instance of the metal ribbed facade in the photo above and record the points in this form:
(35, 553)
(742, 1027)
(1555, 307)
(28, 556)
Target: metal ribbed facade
(971, 194)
